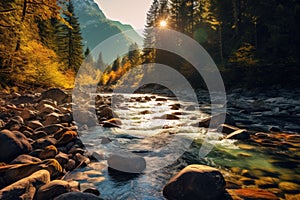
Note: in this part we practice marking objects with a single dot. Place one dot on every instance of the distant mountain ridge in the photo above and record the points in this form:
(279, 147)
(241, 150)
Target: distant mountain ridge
(96, 28)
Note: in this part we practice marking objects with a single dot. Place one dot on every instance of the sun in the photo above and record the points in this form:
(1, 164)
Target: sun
(163, 23)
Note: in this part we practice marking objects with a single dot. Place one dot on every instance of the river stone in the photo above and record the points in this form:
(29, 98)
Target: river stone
(216, 120)
(54, 128)
(57, 95)
(85, 118)
(127, 162)
(52, 118)
(12, 173)
(14, 123)
(77, 196)
(94, 191)
(254, 193)
(241, 134)
(62, 158)
(289, 187)
(37, 135)
(34, 124)
(53, 189)
(26, 187)
(43, 142)
(49, 152)
(108, 113)
(24, 158)
(169, 117)
(66, 137)
(12, 144)
(196, 182)
(27, 114)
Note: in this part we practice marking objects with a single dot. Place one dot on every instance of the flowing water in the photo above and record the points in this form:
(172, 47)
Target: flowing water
(168, 145)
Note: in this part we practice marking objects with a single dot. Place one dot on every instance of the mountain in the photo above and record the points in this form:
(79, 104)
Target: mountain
(96, 28)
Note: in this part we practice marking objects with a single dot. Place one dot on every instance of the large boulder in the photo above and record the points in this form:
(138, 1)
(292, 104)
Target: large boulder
(127, 162)
(53, 189)
(12, 144)
(26, 187)
(57, 95)
(24, 158)
(77, 196)
(196, 182)
(12, 173)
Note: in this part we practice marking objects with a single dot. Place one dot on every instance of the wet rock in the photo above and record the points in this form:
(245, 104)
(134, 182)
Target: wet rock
(77, 196)
(175, 106)
(105, 140)
(70, 165)
(27, 114)
(75, 150)
(216, 120)
(196, 182)
(67, 137)
(94, 191)
(160, 99)
(225, 128)
(247, 181)
(253, 193)
(108, 113)
(46, 110)
(37, 135)
(241, 134)
(127, 162)
(81, 160)
(62, 158)
(145, 112)
(116, 121)
(106, 124)
(274, 129)
(52, 129)
(66, 118)
(49, 152)
(169, 117)
(13, 173)
(12, 144)
(43, 142)
(292, 197)
(289, 187)
(24, 158)
(53, 189)
(52, 118)
(57, 95)
(14, 124)
(267, 182)
(85, 118)
(34, 124)
(26, 187)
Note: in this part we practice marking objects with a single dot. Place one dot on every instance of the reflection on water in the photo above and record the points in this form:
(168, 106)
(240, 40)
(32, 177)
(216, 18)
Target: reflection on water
(170, 145)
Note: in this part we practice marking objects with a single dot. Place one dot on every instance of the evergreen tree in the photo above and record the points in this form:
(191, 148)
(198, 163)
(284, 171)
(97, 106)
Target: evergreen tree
(70, 48)
(100, 63)
(134, 53)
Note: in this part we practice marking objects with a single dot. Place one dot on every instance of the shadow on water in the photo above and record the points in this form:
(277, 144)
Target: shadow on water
(121, 177)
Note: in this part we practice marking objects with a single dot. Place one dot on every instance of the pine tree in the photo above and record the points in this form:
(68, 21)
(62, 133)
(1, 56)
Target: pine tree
(100, 63)
(70, 41)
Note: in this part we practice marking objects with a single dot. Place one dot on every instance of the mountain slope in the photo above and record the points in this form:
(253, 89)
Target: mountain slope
(96, 28)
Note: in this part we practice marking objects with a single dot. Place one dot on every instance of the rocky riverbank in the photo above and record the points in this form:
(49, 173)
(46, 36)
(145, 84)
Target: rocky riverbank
(40, 146)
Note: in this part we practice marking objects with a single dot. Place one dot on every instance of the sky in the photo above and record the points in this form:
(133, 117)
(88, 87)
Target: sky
(131, 12)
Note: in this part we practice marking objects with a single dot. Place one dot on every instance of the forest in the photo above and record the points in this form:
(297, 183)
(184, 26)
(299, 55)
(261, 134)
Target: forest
(254, 44)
